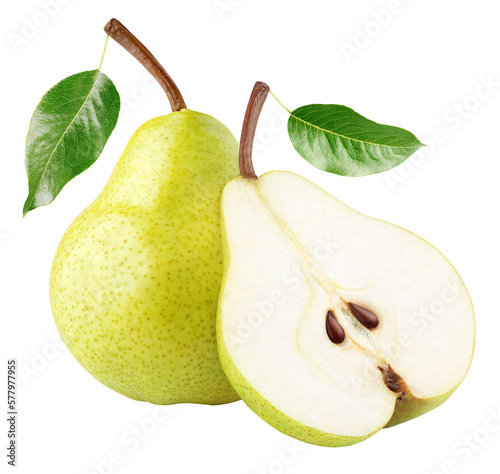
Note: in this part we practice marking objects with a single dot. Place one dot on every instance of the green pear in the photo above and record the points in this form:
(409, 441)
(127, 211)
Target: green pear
(331, 324)
(136, 277)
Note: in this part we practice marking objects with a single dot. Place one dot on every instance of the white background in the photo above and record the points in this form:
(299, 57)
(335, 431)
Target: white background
(419, 68)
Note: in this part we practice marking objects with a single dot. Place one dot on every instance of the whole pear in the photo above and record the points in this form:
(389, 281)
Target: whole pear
(136, 277)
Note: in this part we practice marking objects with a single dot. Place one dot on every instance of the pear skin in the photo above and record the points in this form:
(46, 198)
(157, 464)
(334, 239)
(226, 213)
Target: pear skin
(136, 277)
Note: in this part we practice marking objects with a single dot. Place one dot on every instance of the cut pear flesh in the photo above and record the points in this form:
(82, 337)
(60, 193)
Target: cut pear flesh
(293, 256)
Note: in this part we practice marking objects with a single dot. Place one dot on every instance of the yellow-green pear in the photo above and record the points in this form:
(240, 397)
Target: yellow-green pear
(136, 277)
(331, 324)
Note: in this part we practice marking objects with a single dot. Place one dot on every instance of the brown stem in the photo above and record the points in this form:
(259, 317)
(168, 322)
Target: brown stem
(255, 104)
(125, 38)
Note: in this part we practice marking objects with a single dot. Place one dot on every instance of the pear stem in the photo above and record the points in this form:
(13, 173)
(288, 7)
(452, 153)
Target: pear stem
(116, 30)
(254, 107)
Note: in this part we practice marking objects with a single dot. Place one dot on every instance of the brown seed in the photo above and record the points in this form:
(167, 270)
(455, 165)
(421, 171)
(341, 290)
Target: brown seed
(367, 318)
(334, 330)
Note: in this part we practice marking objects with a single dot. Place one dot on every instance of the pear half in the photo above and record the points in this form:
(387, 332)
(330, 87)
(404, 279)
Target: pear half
(304, 273)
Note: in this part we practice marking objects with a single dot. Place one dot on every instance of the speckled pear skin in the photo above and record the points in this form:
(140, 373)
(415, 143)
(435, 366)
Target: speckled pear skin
(136, 277)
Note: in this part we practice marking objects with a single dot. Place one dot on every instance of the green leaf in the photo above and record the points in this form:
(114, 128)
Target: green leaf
(336, 139)
(67, 133)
